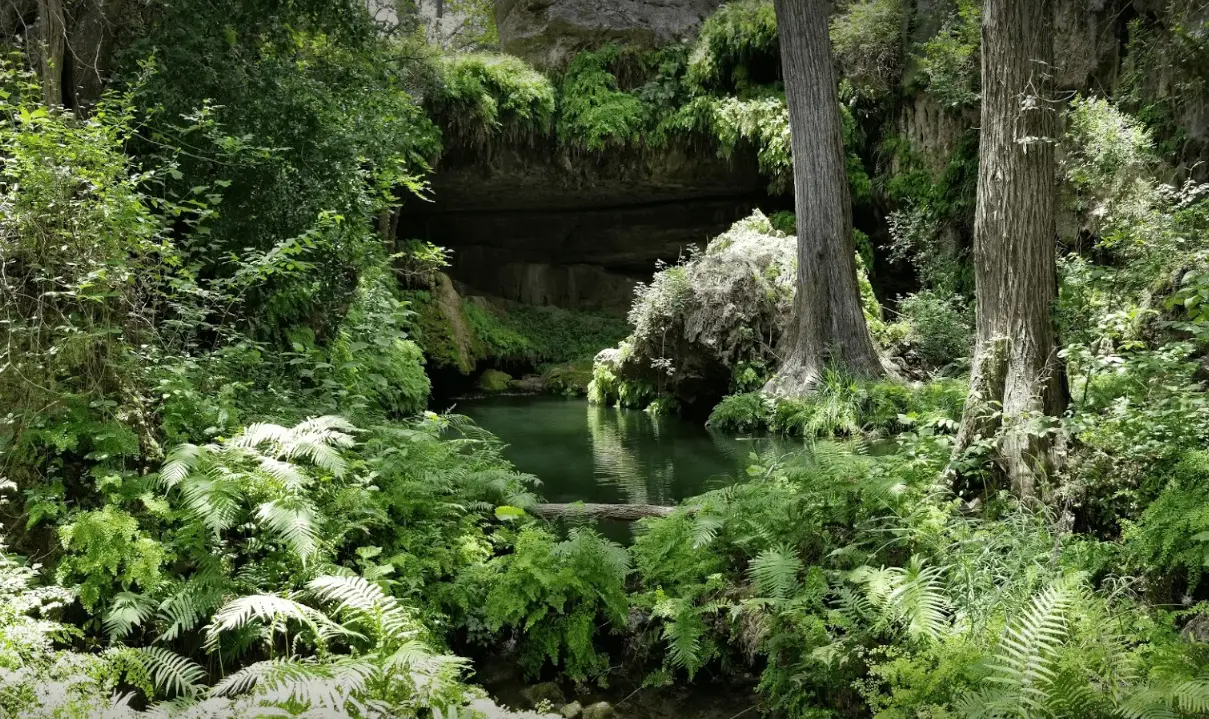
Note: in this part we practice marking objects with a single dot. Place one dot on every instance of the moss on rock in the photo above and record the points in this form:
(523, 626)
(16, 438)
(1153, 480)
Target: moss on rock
(494, 380)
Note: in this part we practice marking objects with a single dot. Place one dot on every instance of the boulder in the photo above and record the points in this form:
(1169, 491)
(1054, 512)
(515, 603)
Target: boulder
(494, 380)
(572, 710)
(548, 33)
(529, 384)
(488, 709)
(697, 321)
(599, 710)
(547, 692)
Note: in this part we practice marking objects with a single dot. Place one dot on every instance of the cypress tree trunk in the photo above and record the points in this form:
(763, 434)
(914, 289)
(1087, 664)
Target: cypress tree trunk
(1016, 363)
(830, 325)
(54, 45)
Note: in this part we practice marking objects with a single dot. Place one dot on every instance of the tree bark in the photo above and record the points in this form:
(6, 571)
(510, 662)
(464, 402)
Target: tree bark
(1016, 366)
(53, 39)
(621, 512)
(830, 327)
(89, 49)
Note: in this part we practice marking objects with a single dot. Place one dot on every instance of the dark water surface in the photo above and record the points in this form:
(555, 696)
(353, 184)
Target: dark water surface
(584, 452)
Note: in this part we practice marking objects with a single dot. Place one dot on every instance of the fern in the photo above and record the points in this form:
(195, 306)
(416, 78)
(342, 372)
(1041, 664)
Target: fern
(913, 596)
(684, 631)
(775, 572)
(129, 610)
(273, 610)
(1171, 699)
(705, 528)
(269, 672)
(171, 673)
(263, 464)
(1023, 672)
(293, 520)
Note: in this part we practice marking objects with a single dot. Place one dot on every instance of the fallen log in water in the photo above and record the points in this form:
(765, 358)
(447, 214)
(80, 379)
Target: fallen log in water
(621, 512)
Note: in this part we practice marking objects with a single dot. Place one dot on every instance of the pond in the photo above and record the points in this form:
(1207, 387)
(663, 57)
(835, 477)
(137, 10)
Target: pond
(585, 452)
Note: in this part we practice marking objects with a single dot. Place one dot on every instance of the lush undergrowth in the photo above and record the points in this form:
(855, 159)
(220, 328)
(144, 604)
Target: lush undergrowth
(222, 495)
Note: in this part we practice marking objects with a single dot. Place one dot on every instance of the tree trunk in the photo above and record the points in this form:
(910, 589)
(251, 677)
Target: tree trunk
(830, 325)
(1016, 365)
(54, 44)
(620, 512)
(89, 49)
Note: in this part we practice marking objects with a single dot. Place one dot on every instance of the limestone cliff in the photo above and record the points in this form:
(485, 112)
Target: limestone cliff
(548, 33)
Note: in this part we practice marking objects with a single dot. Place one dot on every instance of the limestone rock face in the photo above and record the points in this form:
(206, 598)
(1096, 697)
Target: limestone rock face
(546, 228)
(548, 33)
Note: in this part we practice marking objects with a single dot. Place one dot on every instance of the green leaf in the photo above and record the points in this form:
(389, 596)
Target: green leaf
(507, 514)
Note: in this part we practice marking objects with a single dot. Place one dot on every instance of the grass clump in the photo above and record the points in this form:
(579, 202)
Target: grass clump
(742, 413)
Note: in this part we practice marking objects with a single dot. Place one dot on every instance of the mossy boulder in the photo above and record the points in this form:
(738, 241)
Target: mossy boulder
(699, 320)
(570, 379)
(494, 380)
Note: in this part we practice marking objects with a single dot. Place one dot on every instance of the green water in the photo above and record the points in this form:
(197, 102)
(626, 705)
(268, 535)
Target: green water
(584, 452)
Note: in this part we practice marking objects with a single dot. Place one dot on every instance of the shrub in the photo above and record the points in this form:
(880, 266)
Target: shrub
(748, 412)
(941, 326)
(1171, 538)
(867, 40)
(841, 406)
(698, 320)
(554, 595)
(1109, 163)
(949, 62)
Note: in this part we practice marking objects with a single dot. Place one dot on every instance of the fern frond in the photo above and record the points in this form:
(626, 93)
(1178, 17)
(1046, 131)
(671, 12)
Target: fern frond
(363, 603)
(704, 529)
(260, 433)
(186, 609)
(171, 673)
(293, 519)
(1023, 666)
(1167, 700)
(334, 429)
(269, 608)
(269, 672)
(913, 596)
(320, 454)
(284, 472)
(179, 463)
(775, 572)
(212, 498)
(129, 610)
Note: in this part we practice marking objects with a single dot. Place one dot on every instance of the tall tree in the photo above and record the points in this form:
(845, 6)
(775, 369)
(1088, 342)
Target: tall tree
(1017, 376)
(830, 326)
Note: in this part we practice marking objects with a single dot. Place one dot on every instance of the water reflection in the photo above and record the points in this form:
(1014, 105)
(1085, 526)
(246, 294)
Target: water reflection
(603, 454)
